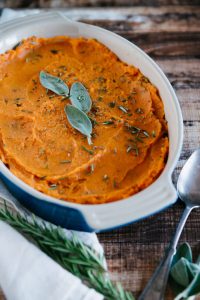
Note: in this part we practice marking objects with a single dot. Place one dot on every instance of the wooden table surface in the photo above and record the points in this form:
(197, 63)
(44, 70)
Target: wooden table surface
(170, 34)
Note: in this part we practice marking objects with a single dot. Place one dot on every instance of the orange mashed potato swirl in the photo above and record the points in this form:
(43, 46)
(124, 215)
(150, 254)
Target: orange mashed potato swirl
(37, 143)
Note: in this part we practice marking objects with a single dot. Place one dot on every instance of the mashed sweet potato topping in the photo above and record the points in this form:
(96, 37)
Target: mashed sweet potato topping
(37, 143)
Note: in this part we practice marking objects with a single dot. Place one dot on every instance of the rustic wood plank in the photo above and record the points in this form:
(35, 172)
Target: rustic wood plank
(183, 74)
(71, 3)
(140, 19)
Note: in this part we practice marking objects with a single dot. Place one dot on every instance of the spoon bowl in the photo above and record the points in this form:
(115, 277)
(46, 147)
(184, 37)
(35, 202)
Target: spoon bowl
(188, 185)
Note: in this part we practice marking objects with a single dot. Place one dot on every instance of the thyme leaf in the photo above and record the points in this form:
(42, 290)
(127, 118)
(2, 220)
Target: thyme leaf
(88, 150)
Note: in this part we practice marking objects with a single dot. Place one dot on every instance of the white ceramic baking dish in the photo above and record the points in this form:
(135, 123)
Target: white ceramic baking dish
(158, 195)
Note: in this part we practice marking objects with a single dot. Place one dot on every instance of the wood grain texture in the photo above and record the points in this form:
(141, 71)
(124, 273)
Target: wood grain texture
(85, 3)
(170, 34)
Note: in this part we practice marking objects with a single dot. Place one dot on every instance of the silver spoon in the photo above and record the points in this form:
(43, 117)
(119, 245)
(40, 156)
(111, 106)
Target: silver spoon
(189, 192)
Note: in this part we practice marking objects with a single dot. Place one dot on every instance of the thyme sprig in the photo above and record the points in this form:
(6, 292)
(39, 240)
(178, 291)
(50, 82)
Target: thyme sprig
(72, 255)
(139, 134)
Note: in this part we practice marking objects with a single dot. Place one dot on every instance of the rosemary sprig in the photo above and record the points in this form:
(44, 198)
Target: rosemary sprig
(73, 255)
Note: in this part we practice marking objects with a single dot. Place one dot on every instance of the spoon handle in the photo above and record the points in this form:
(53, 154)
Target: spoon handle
(156, 286)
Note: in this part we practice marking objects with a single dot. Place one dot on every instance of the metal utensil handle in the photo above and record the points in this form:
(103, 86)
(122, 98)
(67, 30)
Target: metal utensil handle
(156, 286)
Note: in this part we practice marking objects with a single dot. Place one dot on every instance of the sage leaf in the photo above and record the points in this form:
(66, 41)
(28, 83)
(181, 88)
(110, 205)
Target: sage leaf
(184, 274)
(54, 84)
(192, 289)
(198, 260)
(176, 288)
(193, 269)
(179, 272)
(80, 97)
(183, 251)
(79, 120)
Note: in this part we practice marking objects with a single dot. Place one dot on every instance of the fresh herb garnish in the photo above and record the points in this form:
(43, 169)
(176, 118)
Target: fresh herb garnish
(79, 120)
(94, 122)
(53, 186)
(129, 148)
(80, 97)
(115, 184)
(122, 108)
(99, 98)
(108, 122)
(145, 133)
(54, 84)
(65, 161)
(139, 135)
(139, 111)
(138, 139)
(112, 104)
(54, 51)
(133, 148)
(137, 131)
(88, 150)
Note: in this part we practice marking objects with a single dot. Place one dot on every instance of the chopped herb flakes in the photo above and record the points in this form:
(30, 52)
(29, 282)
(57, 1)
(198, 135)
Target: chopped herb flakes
(99, 98)
(138, 139)
(133, 148)
(111, 104)
(94, 122)
(122, 108)
(53, 186)
(115, 184)
(139, 111)
(108, 122)
(65, 161)
(129, 148)
(88, 150)
(145, 133)
(54, 51)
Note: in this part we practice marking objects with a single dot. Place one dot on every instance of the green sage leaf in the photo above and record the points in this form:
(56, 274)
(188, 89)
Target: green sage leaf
(198, 260)
(193, 269)
(79, 120)
(183, 251)
(192, 289)
(179, 272)
(80, 97)
(54, 84)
